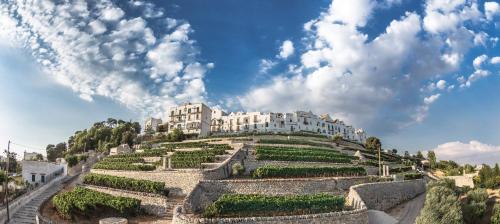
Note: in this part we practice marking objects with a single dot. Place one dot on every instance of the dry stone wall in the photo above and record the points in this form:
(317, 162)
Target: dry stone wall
(384, 195)
(151, 203)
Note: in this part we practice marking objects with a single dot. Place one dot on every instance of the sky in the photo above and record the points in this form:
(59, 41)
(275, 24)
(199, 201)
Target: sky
(421, 75)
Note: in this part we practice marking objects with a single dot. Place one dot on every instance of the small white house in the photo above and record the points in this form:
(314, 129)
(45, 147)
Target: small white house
(121, 149)
(40, 172)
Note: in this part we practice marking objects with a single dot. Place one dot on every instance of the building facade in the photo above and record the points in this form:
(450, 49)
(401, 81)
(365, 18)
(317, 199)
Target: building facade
(191, 119)
(151, 124)
(41, 172)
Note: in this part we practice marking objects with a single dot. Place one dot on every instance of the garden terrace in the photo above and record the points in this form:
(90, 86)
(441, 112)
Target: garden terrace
(125, 183)
(105, 165)
(270, 171)
(85, 201)
(241, 205)
(294, 142)
(194, 159)
(301, 154)
(400, 169)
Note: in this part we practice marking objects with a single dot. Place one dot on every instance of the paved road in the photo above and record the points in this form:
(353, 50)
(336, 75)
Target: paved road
(407, 212)
(27, 213)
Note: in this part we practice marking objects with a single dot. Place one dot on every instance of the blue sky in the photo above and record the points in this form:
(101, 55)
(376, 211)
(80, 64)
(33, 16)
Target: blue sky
(420, 74)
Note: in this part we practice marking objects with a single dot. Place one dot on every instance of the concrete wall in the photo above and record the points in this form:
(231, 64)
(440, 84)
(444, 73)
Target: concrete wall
(151, 203)
(384, 195)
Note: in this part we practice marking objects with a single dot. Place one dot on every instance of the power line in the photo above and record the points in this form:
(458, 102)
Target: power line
(27, 146)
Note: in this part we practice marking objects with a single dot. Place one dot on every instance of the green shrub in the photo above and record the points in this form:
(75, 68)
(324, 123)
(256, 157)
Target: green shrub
(125, 183)
(87, 201)
(294, 142)
(72, 160)
(238, 205)
(441, 204)
(495, 217)
(124, 159)
(400, 169)
(123, 166)
(301, 154)
(238, 169)
(412, 176)
(291, 172)
(83, 158)
(474, 207)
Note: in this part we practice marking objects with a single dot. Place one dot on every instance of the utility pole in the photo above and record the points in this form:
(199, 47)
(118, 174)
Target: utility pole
(7, 183)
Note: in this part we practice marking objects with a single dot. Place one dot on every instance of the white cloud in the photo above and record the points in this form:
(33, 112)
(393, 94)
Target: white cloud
(286, 49)
(479, 60)
(473, 152)
(441, 84)
(112, 14)
(491, 9)
(266, 65)
(353, 13)
(495, 60)
(446, 16)
(478, 74)
(124, 61)
(431, 99)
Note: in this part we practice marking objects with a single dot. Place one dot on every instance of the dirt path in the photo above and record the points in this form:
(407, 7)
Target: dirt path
(407, 212)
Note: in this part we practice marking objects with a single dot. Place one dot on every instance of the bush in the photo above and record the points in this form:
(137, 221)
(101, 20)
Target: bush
(124, 159)
(474, 206)
(88, 201)
(123, 166)
(441, 204)
(238, 205)
(83, 158)
(294, 142)
(291, 172)
(301, 154)
(125, 183)
(400, 169)
(72, 160)
(495, 217)
(238, 169)
(412, 176)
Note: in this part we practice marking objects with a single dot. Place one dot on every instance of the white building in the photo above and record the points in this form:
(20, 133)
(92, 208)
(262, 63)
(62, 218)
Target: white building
(30, 155)
(121, 149)
(191, 119)
(151, 124)
(40, 172)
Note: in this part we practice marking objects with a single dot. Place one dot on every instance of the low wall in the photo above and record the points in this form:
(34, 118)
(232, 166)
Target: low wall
(151, 203)
(208, 191)
(384, 195)
(182, 181)
(27, 197)
(358, 216)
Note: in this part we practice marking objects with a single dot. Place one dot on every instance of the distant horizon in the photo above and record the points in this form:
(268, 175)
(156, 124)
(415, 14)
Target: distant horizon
(420, 75)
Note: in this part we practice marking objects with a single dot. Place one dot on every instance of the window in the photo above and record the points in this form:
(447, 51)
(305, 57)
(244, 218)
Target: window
(42, 178)
(267, 124)
(33, 176)
(189, 110)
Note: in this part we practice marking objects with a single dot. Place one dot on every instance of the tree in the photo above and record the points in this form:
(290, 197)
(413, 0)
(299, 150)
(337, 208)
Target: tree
(337, 138)
(55, 151)
(394, 151)
(373, 143)
(72, 160)
(431, 156)
(39, 157)
(3, 177)
(496, 170)
(441, 204)
(176, 135)
(419, 155)
(468, 168)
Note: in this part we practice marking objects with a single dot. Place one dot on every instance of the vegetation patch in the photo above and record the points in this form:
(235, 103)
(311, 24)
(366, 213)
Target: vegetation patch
(294, 142)
(400, 169)
(301, 154)
(123, 166)
(194, 159)
(86, 201)
(412, 176)
(129, 159)
(125, 183)
(270, 171)
(238, 205)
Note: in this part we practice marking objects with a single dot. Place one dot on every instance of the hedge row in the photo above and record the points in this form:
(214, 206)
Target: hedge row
(294, 142)
(270, 171)
(192, 159)
(400, 169)
(125, 183)
(123, 166)
(238, 205)
(149, 153)
(85, 201)
(413, 176)
(301, 154)
(124, 159)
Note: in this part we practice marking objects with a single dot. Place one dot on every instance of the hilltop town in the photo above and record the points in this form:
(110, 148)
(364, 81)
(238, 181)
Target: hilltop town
(206, 166)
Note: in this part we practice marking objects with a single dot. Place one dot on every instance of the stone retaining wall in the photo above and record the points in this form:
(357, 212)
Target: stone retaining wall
(182, 181)
(152, 204)
(358, 216)
(384, 195)
(208, 191)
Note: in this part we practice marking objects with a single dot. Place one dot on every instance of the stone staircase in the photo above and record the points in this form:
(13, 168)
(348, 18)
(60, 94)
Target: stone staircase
(27, 213)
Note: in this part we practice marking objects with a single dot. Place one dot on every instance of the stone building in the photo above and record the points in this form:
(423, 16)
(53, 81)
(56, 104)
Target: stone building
(151, 124)
(41, 172)
(191, 119)
(121, 149)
